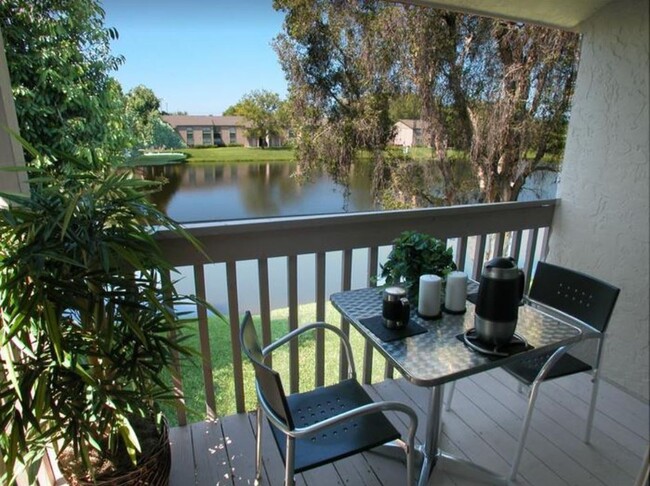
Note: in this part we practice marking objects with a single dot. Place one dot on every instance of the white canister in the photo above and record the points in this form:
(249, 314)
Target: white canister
(456, 292)
(429, 296)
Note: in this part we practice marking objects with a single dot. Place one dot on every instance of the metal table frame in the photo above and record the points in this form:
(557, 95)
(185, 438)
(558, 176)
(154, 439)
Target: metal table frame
(437, 357)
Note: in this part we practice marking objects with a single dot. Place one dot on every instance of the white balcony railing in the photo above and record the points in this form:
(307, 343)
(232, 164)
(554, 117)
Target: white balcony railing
(475, 232)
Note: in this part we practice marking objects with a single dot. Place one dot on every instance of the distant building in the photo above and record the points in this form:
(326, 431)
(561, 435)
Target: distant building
(198, 130)
(411, 133)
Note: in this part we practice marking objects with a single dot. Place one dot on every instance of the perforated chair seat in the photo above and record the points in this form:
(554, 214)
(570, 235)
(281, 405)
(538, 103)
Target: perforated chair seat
(526, 371)
(340, 441)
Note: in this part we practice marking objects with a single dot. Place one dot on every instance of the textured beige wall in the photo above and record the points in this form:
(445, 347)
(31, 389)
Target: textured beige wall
(601, 227)
(11, 153)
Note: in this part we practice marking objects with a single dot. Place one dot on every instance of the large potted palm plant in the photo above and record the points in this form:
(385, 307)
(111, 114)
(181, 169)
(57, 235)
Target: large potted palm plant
(89, 324)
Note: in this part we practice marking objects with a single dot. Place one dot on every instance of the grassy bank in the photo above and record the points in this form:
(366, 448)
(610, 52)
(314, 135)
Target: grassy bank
(237, 154)
(244, 154)
(221, 355)
(157, 159)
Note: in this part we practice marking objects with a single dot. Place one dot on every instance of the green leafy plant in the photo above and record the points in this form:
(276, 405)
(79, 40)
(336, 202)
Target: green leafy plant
(88, 313)
(416, 254)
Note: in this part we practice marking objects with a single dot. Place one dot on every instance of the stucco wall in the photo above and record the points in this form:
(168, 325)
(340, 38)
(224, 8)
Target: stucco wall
(11, 153)
(601, 227)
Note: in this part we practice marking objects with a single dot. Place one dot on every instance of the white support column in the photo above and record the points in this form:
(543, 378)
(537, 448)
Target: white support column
(11, 152)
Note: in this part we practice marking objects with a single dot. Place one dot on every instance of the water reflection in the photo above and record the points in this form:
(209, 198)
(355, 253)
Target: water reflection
(215, 192)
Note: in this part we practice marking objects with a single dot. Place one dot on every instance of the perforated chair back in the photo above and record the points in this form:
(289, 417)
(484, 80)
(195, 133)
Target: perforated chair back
(268, 380)
(576, 294)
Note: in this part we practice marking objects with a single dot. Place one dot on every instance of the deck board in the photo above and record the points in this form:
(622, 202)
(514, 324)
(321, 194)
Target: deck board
(565, 428)
(483, 425)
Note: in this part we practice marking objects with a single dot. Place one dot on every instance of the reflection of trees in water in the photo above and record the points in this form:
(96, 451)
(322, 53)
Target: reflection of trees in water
(358, 193)
(172, 175)
(271, 189)
(267, 187)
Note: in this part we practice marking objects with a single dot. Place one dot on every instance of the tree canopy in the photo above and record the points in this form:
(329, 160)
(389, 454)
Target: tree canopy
(264, 111)
(59, 60)
(496, 92)
(338, 60)
(143, 118)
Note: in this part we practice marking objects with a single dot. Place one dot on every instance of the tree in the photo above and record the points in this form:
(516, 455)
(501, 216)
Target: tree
(59, 59)
(165, 136)
(498, 92)
(406, 106)
(263, 110)
(142, 108)
(338, 62)
(142, 111)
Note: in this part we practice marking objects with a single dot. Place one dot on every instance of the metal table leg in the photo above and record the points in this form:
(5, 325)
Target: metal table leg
(434, 457)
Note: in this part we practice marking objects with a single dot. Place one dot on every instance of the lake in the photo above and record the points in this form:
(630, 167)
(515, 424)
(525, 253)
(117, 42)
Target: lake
(217, 192)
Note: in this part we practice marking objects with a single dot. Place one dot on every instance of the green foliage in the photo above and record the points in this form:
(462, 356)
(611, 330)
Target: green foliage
(415, 254)
(164, 136)
(339, 62)
(89, 325)
(59, 58)
(407, 106)
(263, 111)
(498, 91)
(141, 110)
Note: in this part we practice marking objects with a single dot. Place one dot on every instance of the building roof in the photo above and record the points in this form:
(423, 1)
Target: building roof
(204, 120)
(553, 13)
(413, 124)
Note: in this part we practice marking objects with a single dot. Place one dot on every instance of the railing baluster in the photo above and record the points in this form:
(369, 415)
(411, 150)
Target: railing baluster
(530, 256)
(204, 339)
(373, 257)
(319, 379)
(479, 255)
(546, 235)
(265, 305)
(177, 380)
(346, 284)
(499, 243)
(292, 294)
(233, 312)
(515, 245)
(461, 252)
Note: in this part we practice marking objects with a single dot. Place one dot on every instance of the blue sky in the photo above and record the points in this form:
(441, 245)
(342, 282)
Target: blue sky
(198, 56)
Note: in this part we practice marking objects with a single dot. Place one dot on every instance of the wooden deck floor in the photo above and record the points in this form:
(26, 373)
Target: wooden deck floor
(483, 426)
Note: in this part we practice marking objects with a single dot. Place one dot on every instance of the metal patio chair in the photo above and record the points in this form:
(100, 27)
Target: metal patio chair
(580, 297)
(325, 424)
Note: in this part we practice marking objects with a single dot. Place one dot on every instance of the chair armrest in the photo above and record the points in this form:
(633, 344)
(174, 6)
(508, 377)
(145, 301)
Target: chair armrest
(588, 330)
(311, 327)
(387, 406)
(555, 357)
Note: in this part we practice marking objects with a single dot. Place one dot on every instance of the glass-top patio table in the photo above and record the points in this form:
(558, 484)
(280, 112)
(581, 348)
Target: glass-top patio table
(437, 357)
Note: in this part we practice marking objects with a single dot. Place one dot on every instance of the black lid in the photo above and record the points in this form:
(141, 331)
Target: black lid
(501, 268)
(501, 262)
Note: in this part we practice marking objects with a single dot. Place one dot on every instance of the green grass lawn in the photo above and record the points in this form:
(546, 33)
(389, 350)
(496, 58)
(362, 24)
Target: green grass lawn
(245, 154)
(222, 369)
(237, 154)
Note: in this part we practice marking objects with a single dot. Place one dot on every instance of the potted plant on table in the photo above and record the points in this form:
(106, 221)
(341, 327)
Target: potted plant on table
(415, 254)
(89, 325)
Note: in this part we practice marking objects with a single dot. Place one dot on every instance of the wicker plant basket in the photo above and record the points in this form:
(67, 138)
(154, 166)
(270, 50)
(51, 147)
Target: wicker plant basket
(151, 470)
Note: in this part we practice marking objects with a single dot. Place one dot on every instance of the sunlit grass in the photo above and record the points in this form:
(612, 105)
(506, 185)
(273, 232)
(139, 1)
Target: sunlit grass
(222, 367)
(237, 154)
